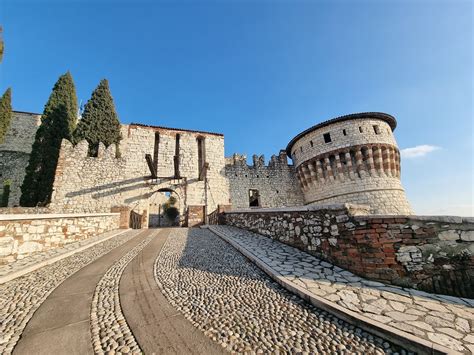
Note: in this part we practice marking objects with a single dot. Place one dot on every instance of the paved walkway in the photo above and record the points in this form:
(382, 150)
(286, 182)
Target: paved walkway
(62, 323)
(157, 326)
(101, 300)
(234, 303)
(444, 320)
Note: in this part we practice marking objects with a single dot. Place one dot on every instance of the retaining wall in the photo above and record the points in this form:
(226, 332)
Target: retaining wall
(434, 254)
(24, 234)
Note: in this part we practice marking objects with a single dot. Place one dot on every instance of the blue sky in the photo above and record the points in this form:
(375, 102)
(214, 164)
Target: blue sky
(262, 71)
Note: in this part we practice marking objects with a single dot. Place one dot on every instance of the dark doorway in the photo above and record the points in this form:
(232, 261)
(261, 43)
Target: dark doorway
(254, 198)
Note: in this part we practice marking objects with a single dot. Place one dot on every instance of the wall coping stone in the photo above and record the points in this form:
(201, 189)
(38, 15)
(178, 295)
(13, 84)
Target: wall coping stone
(354, 210)
(21, 217)
(447, 219)
(351, 208)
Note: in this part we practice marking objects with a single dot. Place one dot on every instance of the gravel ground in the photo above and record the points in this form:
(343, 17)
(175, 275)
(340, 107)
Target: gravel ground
(21, 297)
(234, 303)
(109, 329)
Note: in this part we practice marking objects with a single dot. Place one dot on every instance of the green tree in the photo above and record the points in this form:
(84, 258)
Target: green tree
(57, 122)
(99, 122)
(5, 113)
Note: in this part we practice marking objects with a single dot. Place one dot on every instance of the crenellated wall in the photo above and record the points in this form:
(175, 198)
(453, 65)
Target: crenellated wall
(276, 182)
(352, 159)
(15, 152)
(95, 184)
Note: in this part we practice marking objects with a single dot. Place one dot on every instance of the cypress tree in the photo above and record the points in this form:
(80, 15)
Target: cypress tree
(99, 122)
(5, 113)
(57, 122)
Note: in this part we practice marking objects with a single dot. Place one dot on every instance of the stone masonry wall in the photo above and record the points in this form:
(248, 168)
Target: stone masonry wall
(95, 184)
(15, 152)
(434, 254)
(22, 234)
(275, 182)
(357, 162)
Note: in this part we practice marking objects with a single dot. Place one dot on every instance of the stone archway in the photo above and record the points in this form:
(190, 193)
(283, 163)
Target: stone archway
(157, 217)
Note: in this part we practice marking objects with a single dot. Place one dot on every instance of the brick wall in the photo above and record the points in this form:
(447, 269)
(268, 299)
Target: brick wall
(24, 234)
(434, 254)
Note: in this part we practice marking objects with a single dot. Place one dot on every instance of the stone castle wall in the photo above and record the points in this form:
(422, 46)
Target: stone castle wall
(434, 254)
(24, 234)
(15, 152)
(358, 163)
(95, 184)
(276, 182)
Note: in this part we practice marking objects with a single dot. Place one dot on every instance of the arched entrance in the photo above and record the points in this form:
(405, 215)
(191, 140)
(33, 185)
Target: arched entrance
(160, 205)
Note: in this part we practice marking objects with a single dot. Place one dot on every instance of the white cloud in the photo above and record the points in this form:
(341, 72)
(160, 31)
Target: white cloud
(418, 151)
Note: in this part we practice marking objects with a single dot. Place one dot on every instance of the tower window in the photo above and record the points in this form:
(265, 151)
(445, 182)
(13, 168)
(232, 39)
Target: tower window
(344, 132)
(301, 149)
(311, 142)
(360, 129)
(327, 138)
(376, 129)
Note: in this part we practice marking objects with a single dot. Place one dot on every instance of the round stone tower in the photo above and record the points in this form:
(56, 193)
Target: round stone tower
(351, 159)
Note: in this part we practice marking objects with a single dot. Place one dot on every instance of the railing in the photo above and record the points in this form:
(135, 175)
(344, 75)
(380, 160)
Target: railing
(213, 217)
(135, 220)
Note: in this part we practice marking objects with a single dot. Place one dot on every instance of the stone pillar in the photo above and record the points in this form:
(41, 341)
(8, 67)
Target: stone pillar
(397, 163)
(385, 158)
(370, 160)
(378, 160)
(360, 163)
(393, 166)
(306, 173)
(350, 168)
(312, 172)
(319, 171)
(327, 164)
(340, 169)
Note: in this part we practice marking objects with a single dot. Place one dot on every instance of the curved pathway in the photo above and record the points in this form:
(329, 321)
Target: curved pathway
(61, 324)
(21, 297)
(234, 303)
(444, 320)
(157, 326)
(167, 291)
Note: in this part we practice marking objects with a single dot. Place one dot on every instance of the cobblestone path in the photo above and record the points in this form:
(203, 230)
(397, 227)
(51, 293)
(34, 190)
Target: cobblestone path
(109, 329)
(445, 320)
(234, 303)
(21, 297)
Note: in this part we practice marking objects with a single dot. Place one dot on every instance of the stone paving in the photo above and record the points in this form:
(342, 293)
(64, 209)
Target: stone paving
(237, 305)
(21, 297)
(109, 329)
(37, 258)
(444, 320)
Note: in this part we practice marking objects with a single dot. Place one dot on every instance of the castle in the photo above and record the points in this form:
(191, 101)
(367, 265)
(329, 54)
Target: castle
(349, 159)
